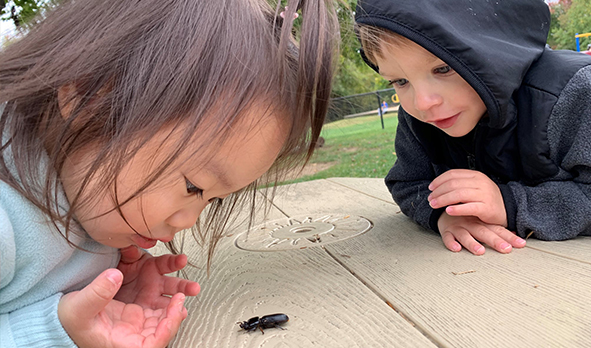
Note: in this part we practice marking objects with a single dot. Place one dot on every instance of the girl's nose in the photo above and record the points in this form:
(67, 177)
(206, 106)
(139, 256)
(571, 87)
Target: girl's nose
(425, 99)
(184, 218)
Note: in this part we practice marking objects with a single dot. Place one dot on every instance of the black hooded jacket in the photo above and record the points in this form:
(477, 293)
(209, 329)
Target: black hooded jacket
(538, 105)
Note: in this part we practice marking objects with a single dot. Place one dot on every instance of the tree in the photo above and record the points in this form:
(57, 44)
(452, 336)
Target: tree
(353, 76)
(24, 12)
(569, 18)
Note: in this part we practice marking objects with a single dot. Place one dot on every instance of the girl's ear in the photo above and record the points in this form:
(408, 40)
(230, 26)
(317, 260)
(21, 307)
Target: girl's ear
(67, 99)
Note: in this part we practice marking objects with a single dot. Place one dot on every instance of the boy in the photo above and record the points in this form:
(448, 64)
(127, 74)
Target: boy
(494, 134)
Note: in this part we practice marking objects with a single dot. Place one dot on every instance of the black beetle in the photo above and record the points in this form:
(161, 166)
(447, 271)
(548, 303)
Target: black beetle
(264, 322)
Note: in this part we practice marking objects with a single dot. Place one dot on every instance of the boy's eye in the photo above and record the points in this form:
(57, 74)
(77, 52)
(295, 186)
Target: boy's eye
(399, 82)
(443, 70)
(192, 189)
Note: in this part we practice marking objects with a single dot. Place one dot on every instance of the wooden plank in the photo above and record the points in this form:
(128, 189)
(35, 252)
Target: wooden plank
(370, 186)
(327, 306)
(527, 298)
(577, 249)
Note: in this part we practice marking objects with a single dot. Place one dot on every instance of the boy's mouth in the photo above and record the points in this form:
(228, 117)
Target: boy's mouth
(446, 122)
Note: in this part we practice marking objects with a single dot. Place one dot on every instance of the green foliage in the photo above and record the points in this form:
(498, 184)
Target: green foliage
(353, 76)
(26, 12)
(569, 18)
(356, 147)
(21, 11)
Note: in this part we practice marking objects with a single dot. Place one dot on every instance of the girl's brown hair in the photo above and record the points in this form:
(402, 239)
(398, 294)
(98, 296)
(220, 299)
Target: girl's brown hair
(144, 65)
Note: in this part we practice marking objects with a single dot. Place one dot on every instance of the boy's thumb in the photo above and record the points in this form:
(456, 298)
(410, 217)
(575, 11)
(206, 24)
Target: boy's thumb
(96, 295)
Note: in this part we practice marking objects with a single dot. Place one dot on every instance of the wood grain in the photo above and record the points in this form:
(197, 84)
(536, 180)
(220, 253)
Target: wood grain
(327, 306)
(528, 298)
(366, 186)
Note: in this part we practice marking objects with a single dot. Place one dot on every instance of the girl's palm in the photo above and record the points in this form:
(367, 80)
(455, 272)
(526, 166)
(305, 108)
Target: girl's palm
(129, 325)
(93, 318)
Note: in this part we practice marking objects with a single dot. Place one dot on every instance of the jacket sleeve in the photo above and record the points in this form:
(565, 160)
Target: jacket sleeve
(409, 178)
(560, 208)
(33, 326)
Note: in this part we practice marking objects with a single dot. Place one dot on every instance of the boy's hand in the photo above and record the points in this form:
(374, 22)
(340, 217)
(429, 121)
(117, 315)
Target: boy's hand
(145, 282)
(468, 230)
(468, 193)
(93, 319)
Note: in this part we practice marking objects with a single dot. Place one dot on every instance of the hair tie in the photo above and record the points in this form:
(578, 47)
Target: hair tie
(282, 14)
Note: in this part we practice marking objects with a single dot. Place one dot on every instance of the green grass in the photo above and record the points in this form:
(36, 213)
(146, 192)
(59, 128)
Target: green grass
(358, 147)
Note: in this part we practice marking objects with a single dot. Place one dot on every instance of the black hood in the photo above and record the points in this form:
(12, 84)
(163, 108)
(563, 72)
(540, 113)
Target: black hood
(490, 43)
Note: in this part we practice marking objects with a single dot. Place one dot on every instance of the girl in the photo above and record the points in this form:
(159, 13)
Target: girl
(121, 120)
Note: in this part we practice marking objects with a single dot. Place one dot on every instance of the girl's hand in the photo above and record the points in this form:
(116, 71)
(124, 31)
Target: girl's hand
(468, 230)
(93, 319)
(468, 193)
(145, 282)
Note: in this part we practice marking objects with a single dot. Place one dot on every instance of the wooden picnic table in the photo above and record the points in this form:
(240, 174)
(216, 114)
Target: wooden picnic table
(395, 285)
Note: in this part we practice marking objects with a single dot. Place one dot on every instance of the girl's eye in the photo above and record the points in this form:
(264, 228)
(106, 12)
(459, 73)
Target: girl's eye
(398, 83)
(192, 189)
(443, 70)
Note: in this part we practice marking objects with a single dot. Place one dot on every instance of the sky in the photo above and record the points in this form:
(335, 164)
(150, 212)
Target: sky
(6, 27)
(7, 30)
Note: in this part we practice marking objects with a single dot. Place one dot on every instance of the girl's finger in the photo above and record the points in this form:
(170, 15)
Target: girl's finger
(170, 263)
(88, 302)
(176, 312)
(169, 324)
(173, 285)
(131, 254)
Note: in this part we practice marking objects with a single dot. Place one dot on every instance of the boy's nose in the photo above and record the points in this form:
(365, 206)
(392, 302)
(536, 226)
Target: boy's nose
(425, 99)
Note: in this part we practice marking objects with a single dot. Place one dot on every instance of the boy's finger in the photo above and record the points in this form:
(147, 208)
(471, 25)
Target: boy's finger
(454, 185)
(450, 242)
(466, 238)
(88, 302)
(487, 236)
(451, 174)
(464, 195)
(476, 209)
(509, 236)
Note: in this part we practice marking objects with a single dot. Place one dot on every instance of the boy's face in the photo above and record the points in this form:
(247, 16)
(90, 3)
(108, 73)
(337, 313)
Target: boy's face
(176, 199)
(428, 89)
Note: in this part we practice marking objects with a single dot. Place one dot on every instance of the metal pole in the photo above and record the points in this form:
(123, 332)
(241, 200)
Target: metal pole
(380, 111)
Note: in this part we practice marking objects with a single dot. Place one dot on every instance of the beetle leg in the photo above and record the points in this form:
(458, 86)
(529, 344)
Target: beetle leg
(261, 328)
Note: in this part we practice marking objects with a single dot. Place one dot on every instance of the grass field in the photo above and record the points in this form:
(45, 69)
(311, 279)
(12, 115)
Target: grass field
(355, 147)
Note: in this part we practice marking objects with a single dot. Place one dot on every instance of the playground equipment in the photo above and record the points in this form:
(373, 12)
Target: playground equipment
(577, 37)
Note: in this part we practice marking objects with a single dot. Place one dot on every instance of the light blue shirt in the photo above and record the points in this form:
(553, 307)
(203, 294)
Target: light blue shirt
(37, 266)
